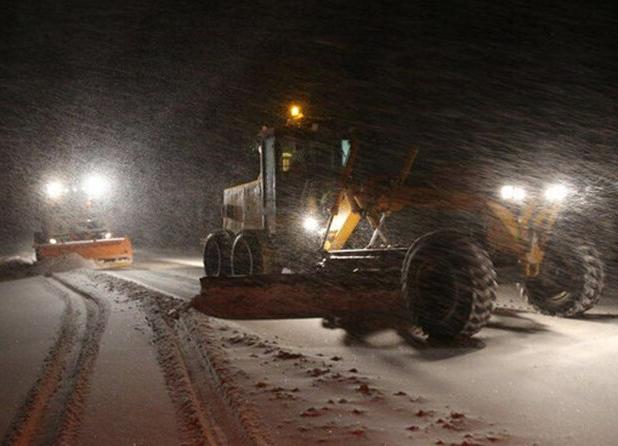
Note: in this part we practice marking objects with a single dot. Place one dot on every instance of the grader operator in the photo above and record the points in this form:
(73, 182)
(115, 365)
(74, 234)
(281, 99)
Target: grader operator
(301, 212)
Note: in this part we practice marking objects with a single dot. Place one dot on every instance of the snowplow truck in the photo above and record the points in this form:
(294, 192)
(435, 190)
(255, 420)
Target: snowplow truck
(282, 251)
(72, 223)
(96, 244)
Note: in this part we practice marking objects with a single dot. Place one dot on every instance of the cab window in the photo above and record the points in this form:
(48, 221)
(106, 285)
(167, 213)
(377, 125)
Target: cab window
(286, 161)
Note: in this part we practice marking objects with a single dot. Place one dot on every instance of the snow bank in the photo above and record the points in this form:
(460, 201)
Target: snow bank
(61, 264)
(16, 267)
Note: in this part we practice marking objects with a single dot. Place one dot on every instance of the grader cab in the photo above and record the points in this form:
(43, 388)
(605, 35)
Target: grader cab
(282, 251)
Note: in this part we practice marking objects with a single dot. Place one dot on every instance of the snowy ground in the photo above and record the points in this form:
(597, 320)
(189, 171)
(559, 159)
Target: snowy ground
(94, 358)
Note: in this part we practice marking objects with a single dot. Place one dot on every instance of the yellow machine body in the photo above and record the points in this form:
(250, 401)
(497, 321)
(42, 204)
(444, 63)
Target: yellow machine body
(522, 232)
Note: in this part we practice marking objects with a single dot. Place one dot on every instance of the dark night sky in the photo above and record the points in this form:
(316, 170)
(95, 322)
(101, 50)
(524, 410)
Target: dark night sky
(167, 96)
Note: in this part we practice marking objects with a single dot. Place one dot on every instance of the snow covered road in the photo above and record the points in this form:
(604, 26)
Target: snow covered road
(545, 378)
(61, 348)
(24, 348)
(96, 358)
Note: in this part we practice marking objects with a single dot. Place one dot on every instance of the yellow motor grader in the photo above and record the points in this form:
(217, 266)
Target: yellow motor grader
(283, 249)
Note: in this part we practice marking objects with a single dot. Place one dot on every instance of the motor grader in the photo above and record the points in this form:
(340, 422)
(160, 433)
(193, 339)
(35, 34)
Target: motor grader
(283, 250)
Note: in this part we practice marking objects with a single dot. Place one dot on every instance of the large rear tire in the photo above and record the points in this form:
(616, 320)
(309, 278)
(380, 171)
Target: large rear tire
(217, 250)
(570, 282)
(247, 256)
(449, 285)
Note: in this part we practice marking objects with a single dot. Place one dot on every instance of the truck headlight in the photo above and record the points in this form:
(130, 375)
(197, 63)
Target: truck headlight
(556, 192)
(95, 186)
(53, 241)
(512, 193)
(311, 224)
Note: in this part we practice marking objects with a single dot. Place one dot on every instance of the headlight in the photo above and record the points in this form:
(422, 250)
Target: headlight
(53, 241)
(512, 193)
(556, 192)
(107, 235)
(54, 189)
(95, 186)
(311, 224)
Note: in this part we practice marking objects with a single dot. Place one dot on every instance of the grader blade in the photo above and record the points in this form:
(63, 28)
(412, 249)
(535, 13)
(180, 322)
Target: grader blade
(290, 296)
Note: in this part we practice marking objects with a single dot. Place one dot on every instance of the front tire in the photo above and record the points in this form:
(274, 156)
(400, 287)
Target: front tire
(570, 282)
(449, 285)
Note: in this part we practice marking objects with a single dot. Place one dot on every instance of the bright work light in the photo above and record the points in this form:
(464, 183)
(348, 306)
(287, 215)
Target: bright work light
(512, 193)
(556, 192)
(95, 186)
(311, 224)
(54, 189)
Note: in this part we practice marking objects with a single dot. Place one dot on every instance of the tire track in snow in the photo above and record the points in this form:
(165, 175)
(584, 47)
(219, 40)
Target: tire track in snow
(52, 411)
(205, 413)
(160, 282)
(195, 423)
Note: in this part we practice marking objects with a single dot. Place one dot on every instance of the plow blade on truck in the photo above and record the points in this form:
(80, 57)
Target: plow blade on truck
(113, 252)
